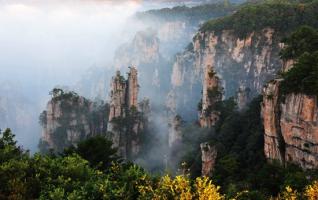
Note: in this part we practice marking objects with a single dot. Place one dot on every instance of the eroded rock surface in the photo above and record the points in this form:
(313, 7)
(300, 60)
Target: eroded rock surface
(291, 127)
(242, 64)
(209, 154)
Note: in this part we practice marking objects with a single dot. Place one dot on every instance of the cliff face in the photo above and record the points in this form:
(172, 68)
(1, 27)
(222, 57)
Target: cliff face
(208, 157)
(273, 141)
(291, 127)
(241, 64)
(68, 119)
(54, 113)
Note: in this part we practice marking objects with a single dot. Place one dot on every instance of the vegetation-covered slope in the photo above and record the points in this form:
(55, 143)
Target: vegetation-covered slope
(190, 14)
(302, 46)
(279, 15)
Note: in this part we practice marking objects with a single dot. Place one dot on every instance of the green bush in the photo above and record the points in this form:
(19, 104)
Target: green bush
(302, 47)
(303, 77)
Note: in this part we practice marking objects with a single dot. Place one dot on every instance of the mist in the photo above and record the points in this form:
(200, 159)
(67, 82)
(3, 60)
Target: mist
(50, 43)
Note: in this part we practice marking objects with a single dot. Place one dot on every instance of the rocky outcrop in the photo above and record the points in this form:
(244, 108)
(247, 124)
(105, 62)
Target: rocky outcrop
(133, 88)
(209, 154)
(211, 94)
(241, 63)
(127, 117)
(68, 120)
(117, 97)
(124, 94)
(291, 127)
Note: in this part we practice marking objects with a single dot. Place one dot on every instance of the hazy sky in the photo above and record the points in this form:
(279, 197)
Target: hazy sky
(40, 38)
(44, 43)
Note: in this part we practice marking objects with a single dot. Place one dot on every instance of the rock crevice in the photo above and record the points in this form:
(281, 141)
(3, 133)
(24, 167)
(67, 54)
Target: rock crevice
(291, 127)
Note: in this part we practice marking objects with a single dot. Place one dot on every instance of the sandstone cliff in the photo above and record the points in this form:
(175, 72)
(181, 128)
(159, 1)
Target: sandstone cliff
(208, 157)
(127, 117)
(211, 94)
(291, 127)
(243, 65)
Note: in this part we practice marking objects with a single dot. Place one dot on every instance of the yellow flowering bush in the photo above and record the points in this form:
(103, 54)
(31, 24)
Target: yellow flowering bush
(289, 194)
(205, 190)
(181, 188)
(311, 191)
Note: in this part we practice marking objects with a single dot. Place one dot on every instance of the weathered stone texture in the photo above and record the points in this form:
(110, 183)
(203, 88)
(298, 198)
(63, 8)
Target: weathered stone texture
(124, 103)
(211, 94)
(291, 127)
(241, 63)
(209, 154)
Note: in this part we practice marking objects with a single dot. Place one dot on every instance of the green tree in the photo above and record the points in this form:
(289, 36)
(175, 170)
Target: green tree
(302, 78)
(304, 39)
(8, 148)
(97, 150)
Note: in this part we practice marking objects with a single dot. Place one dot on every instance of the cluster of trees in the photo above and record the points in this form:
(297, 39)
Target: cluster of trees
(190, 14)
(302, 47)
(93, 171)
(282, 16)
(89, 171)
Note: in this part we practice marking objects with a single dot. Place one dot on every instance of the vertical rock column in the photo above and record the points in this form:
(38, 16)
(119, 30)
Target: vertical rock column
(133, 88)
(117, 97)
(125, 120)
(209, 154)
(211, 94)
(117, 111)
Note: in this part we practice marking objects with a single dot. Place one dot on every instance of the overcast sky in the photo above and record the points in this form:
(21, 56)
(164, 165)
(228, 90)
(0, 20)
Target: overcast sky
(39, 37)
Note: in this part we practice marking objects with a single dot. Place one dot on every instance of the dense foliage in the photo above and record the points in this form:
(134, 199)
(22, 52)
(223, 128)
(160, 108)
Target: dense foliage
(302, 47)
(303, 77)
(72, 177)
(97, 150)
(241, 163)
(282, 16)
(304, 39)
(190, 14)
